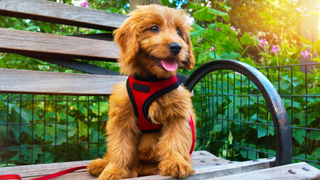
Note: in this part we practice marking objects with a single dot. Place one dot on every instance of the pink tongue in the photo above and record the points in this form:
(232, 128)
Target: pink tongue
(169, 64)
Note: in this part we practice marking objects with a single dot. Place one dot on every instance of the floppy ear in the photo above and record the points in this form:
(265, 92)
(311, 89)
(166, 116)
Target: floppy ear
(126, 38)
(189, 63)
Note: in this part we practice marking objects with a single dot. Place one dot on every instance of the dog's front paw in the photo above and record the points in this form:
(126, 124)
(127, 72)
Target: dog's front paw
(97, 166)
(179, 169)
(117, 173)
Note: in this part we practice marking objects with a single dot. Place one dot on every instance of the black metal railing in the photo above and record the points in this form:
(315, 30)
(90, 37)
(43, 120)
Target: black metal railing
(36, 129)
(234, 120)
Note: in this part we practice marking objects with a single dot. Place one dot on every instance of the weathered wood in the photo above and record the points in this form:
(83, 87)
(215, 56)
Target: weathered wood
(61, 13)
(223, 169)
(48, 45)
(207, 170)
(44, 169)
(280, 172)
(39, 82)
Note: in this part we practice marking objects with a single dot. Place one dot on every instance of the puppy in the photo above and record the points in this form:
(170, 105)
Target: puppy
(150, 128)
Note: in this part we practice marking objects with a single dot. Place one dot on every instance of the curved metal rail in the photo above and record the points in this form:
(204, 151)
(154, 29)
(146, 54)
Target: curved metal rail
(275, 104)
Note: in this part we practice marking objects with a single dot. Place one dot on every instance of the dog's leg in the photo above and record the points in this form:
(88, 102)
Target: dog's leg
(96, 167)
(122, 148)
(173, 149)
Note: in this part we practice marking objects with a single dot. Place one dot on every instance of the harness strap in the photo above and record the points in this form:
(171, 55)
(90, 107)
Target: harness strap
(193, 134)
(142, 92)
(50, 176)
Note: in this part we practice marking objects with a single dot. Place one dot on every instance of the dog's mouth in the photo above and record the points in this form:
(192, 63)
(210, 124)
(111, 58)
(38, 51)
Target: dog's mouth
(168, 64)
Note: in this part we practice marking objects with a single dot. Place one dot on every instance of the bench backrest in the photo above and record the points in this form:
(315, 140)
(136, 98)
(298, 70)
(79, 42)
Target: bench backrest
(61, 50)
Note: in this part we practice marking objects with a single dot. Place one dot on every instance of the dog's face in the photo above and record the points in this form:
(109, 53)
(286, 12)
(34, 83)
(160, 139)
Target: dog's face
(155, 40)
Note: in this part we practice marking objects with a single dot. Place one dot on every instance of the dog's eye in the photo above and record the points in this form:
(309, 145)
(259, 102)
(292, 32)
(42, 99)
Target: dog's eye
(179, 32)
(154, 29)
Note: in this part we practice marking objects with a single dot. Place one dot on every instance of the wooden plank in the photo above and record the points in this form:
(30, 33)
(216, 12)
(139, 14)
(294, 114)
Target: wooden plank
(61, 13)
(40, 82)
(49, 45)
(223, 169)
(44, 169)
(280, 172)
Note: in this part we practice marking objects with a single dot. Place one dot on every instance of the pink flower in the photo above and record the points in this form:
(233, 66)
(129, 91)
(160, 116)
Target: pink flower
(259, 34)
(275, 36)
(275, 49)
(317, 8)
(48, 68)
(232, 27)
(219, 29)
(263, 42)
(212, 49)
(305, 54)
(85, 4)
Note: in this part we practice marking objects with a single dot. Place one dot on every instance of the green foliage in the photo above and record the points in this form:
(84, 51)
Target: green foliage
(226, 116)
(50, 124)
(226, 120)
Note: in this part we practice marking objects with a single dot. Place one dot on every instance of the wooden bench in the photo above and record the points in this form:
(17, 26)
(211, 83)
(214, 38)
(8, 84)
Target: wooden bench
(63, 50)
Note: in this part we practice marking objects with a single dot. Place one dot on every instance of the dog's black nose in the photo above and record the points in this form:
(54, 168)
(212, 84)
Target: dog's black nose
(175, 48)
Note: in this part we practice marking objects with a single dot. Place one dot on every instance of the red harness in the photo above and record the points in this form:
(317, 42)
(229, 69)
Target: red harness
(142, 92)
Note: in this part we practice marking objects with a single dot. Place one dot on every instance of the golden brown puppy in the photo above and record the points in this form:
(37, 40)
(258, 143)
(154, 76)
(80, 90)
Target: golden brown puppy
(153, 41)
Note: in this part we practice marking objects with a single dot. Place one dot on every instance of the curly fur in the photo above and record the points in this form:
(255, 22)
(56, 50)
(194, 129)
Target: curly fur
(129, 152)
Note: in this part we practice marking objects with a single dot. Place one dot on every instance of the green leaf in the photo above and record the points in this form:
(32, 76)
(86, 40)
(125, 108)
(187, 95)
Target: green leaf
(303, 40)
(262, 131)
(245, 39)
(197, 30)
(167, 3)
(316, 153)
(61, 138)
(265, 15)
(190, 6)
(315, 135)
(251, 154)
(268, 17)
(83, 129)
(298, 135)
(224, 15)
(232, 55)
(203, 15)
(212, 26)
(16, 131)
(217, 128)
(32, 28)
(203, 56)
(212, 55)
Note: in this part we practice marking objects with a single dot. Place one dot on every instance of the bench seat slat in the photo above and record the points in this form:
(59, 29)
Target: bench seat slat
(49, 45)
(61, 13)
(40, 82)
